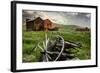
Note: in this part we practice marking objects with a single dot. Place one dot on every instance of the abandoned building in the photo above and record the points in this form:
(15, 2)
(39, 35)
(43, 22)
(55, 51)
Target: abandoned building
(36, 24)
(39, 24)
(83, 29)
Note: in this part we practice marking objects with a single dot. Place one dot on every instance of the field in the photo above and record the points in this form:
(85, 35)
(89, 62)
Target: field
(68, 32)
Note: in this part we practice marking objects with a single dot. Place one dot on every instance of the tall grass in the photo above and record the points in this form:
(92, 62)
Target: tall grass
(31, 39)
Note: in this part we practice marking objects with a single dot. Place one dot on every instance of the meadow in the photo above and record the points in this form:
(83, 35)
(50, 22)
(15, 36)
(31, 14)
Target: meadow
(68, 32)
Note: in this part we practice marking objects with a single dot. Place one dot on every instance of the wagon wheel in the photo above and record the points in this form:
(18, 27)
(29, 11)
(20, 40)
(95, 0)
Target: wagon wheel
(47, 47)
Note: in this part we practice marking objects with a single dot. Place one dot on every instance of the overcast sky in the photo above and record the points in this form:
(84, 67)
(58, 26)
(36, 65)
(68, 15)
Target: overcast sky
(65, 18)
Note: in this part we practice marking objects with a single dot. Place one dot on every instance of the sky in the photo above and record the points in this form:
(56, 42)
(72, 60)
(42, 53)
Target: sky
(64, 18)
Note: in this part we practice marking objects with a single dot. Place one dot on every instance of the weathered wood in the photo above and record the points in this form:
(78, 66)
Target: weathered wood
(56, 50)
(39, 24)
(68, 45)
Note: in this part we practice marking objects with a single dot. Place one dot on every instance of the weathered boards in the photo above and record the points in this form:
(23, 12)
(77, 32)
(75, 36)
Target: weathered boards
(39, 24)
(54, 48)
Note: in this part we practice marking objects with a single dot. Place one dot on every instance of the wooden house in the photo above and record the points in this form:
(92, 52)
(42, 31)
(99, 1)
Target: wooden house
(36, 24)
(83, 29)
(39, 24)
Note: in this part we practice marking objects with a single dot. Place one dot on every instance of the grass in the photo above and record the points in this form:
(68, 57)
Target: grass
(31, 38)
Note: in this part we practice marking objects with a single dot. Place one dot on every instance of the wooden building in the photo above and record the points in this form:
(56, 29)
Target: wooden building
(83, 29)
(36, 24)
(39, 24)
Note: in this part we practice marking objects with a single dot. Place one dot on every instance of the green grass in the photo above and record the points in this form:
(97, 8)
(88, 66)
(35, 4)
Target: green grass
(31, 39)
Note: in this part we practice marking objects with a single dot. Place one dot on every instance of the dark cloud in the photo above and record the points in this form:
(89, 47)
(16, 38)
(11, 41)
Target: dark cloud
(66, 18)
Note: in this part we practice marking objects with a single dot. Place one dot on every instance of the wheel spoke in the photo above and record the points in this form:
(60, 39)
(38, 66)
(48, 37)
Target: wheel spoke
(40, 47)
(46, 57)
(44, 45)
(52, 52)
(49, 56)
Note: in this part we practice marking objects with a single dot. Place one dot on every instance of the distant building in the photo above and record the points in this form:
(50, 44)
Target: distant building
(83, 29)
(38, 24)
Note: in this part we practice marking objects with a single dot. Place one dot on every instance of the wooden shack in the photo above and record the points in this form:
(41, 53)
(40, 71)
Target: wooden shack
(39, 24)
(29, 25)
(36, 24)
(83, 29)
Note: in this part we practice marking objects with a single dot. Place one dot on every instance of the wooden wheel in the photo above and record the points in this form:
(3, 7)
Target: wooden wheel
(50, 51)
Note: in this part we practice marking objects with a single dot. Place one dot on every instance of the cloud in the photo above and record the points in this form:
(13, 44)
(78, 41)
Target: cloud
(65, 18)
